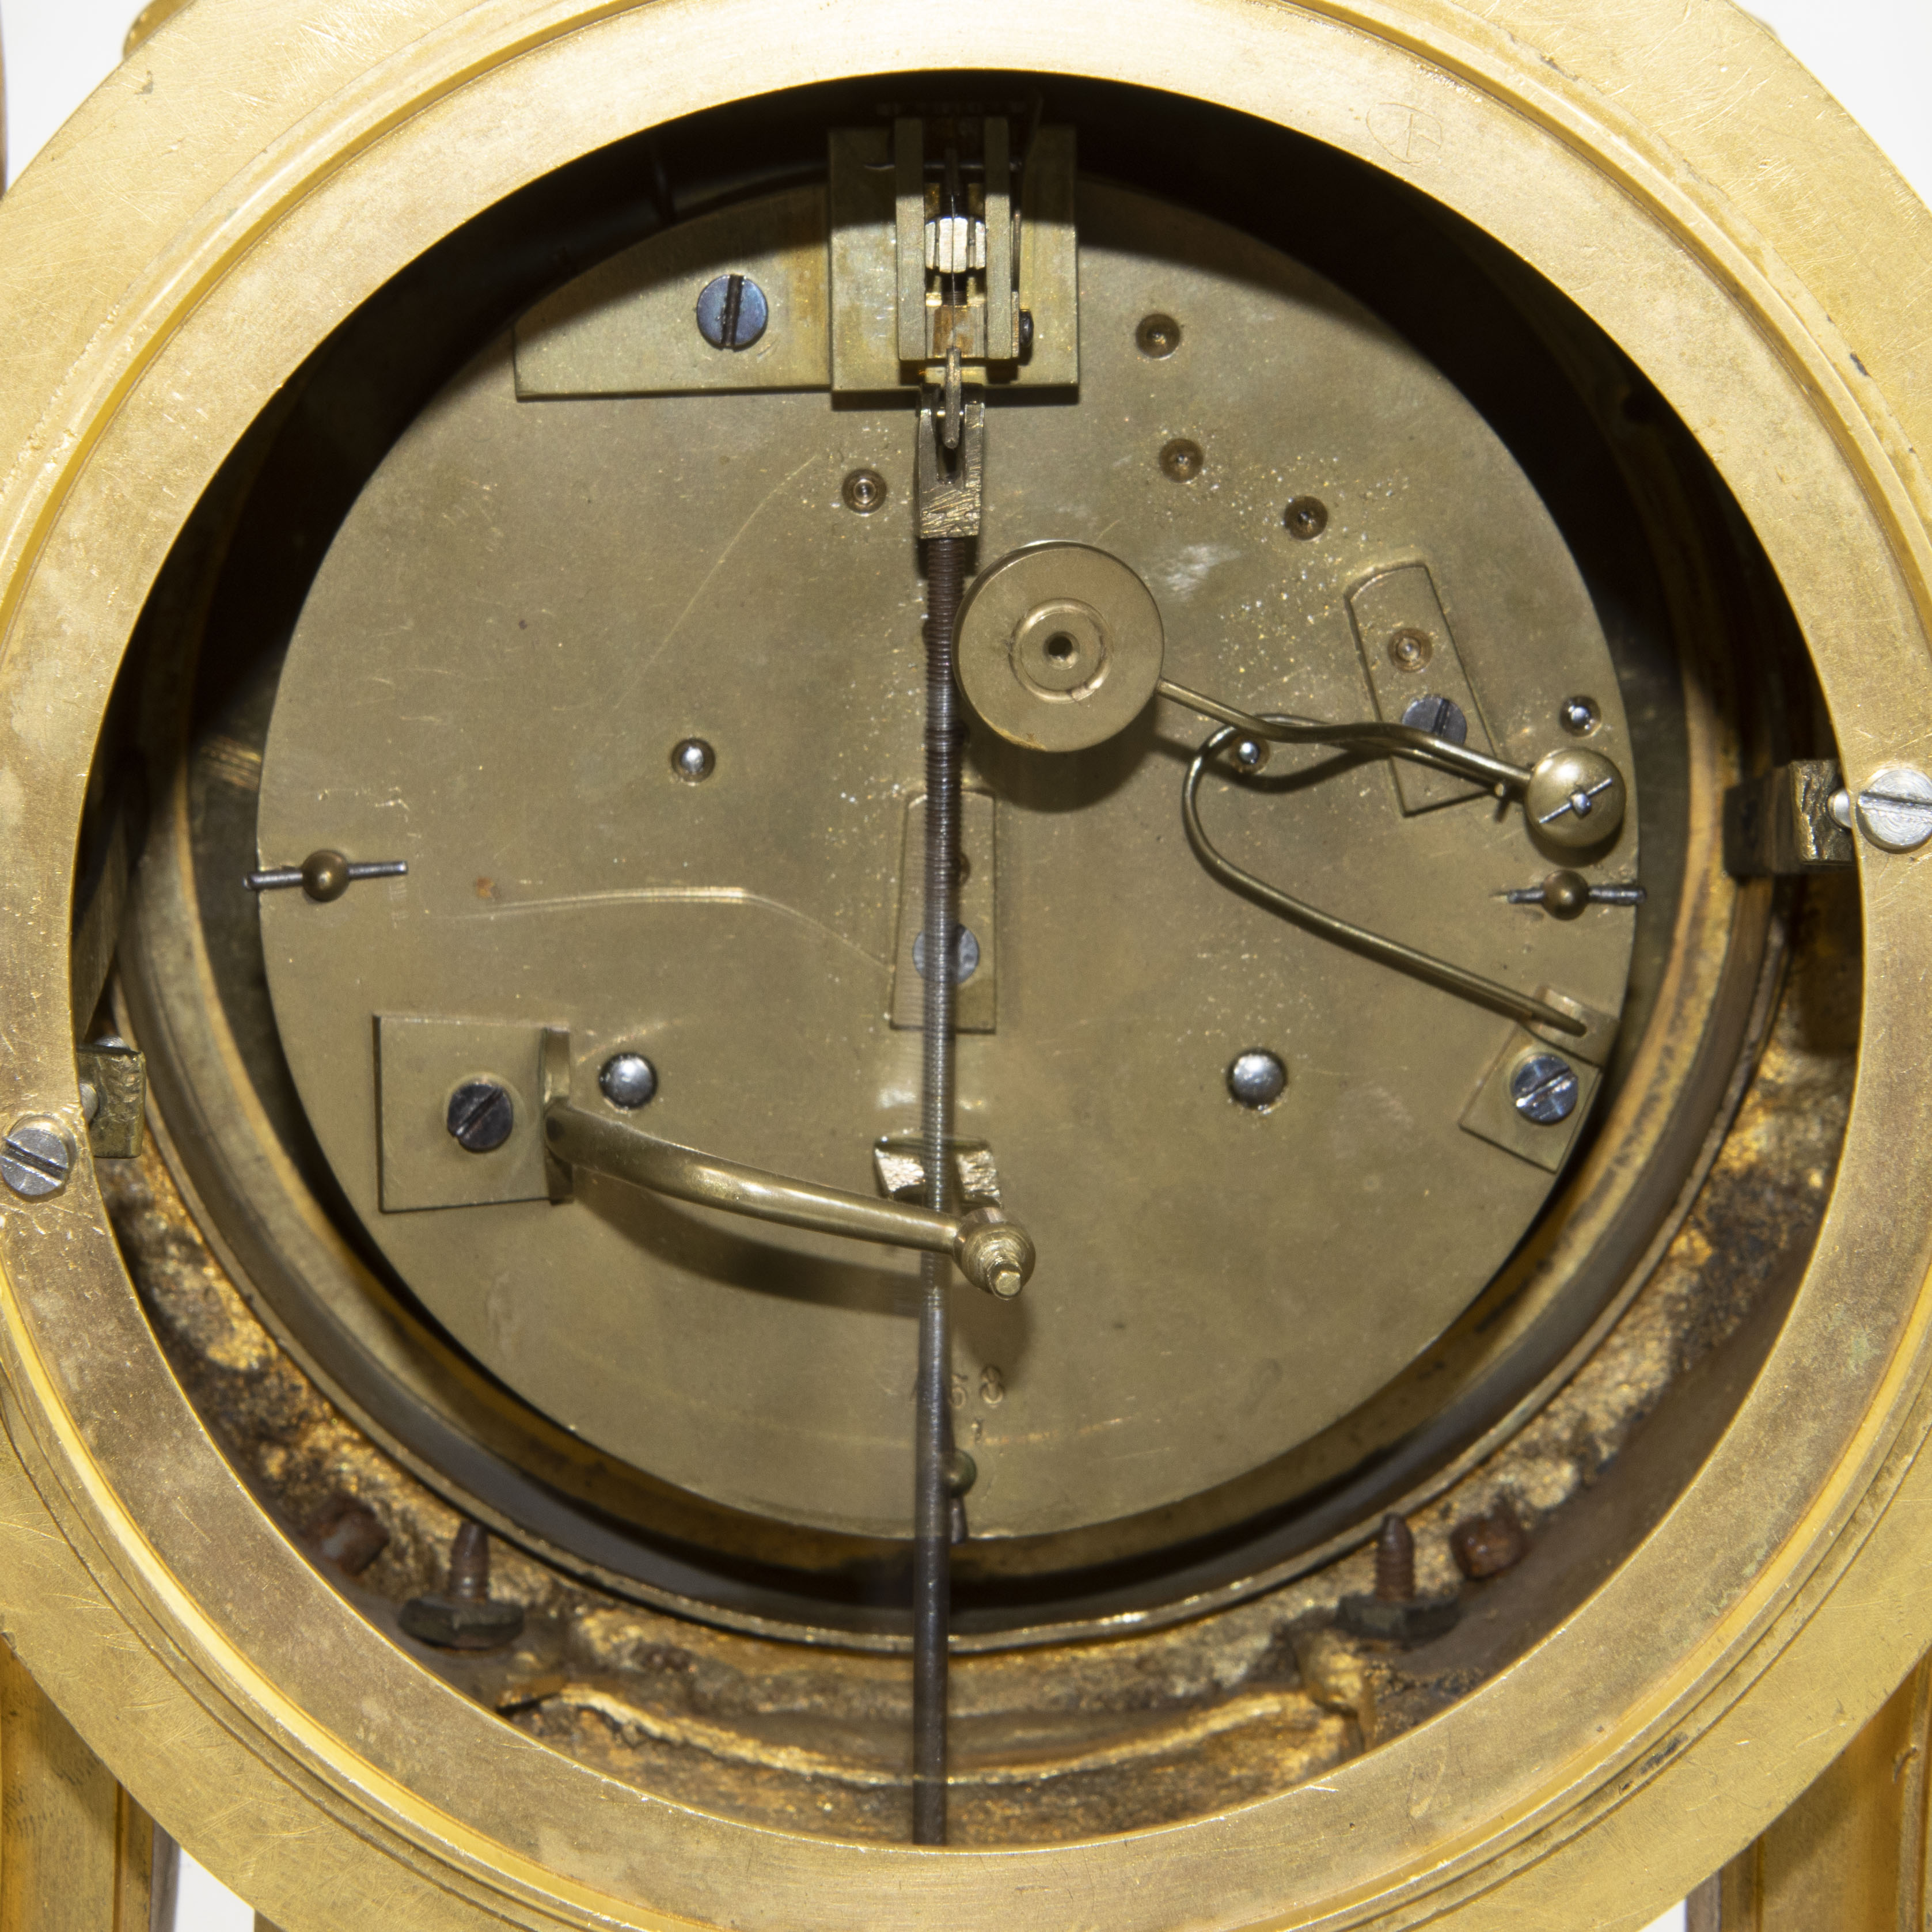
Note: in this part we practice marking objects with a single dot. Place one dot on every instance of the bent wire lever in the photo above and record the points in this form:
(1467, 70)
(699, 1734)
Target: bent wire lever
(1372, 945)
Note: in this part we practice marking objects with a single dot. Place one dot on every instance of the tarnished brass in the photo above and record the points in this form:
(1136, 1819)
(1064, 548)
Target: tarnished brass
(1781, 825)
(1713, 1602)
(742, 932)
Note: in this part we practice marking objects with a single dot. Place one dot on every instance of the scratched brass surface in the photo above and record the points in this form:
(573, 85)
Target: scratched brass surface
(1636, 161)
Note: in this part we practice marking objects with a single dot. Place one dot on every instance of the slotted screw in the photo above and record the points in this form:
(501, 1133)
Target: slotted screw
(35, 1160)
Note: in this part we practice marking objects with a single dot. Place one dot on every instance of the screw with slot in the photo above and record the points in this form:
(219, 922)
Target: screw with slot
(36, 1158)
(732, 312)
(1544, 1088)
(1440, 717)
(464, 1615)
(324, 876)
(1895, 810)
(480, 1116)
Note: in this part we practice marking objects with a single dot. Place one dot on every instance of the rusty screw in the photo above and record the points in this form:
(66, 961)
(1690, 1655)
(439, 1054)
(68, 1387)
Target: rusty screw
(1395, 1614)
(1485, 1546)
(464, 1615)
(1395, 1560)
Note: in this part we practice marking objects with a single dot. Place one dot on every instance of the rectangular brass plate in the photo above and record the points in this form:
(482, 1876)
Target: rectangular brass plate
(629, 327)
(419, 1063)
(977, 1009)
(1491, 1115)
(1385, 606)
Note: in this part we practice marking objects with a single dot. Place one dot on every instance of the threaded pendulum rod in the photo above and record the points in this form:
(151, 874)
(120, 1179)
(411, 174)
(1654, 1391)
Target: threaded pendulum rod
(946, 559)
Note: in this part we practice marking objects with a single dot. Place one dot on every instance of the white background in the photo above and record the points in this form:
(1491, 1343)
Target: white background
(1875, 54)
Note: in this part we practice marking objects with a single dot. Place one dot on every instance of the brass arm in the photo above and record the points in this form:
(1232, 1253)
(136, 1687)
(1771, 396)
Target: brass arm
(993, 1252)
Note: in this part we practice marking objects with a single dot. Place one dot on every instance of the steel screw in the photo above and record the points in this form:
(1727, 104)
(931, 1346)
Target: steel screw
(1895, 809)
(1306, 517)
(864, 491)
(1182, 460)
(479, 1116)
(35, 1159)
(627, 1080)
(1544, 1089)
(693, 759)
(1580, 716)
(1410, 649)
(965, 955)
(464, 1615)
(1395, 1614)
(1440, 717)
(1159, 336)
(1257, 1078)
(732, 312)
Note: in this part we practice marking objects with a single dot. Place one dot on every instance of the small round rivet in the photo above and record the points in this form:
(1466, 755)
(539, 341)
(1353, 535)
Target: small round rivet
(324, 876)
(1257, 1078)
(1579, 716)
(961, 1473)
(36, 1158)
(1440, 717)
(865, 491)
(1306, 517)
(1544, 1089)
(1158, 336)
(479, 1116)
(1249, 754)
(627, 1080)
(1895, 810)
(1182, 460)
(732, 312)
(693, 759)
(965, 955)
(1410, 649)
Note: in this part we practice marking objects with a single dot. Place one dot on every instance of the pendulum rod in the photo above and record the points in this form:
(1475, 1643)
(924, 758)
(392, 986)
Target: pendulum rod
(946, 560)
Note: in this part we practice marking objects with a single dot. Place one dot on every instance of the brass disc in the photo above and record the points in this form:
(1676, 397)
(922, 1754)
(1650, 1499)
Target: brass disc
(1059, 645)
